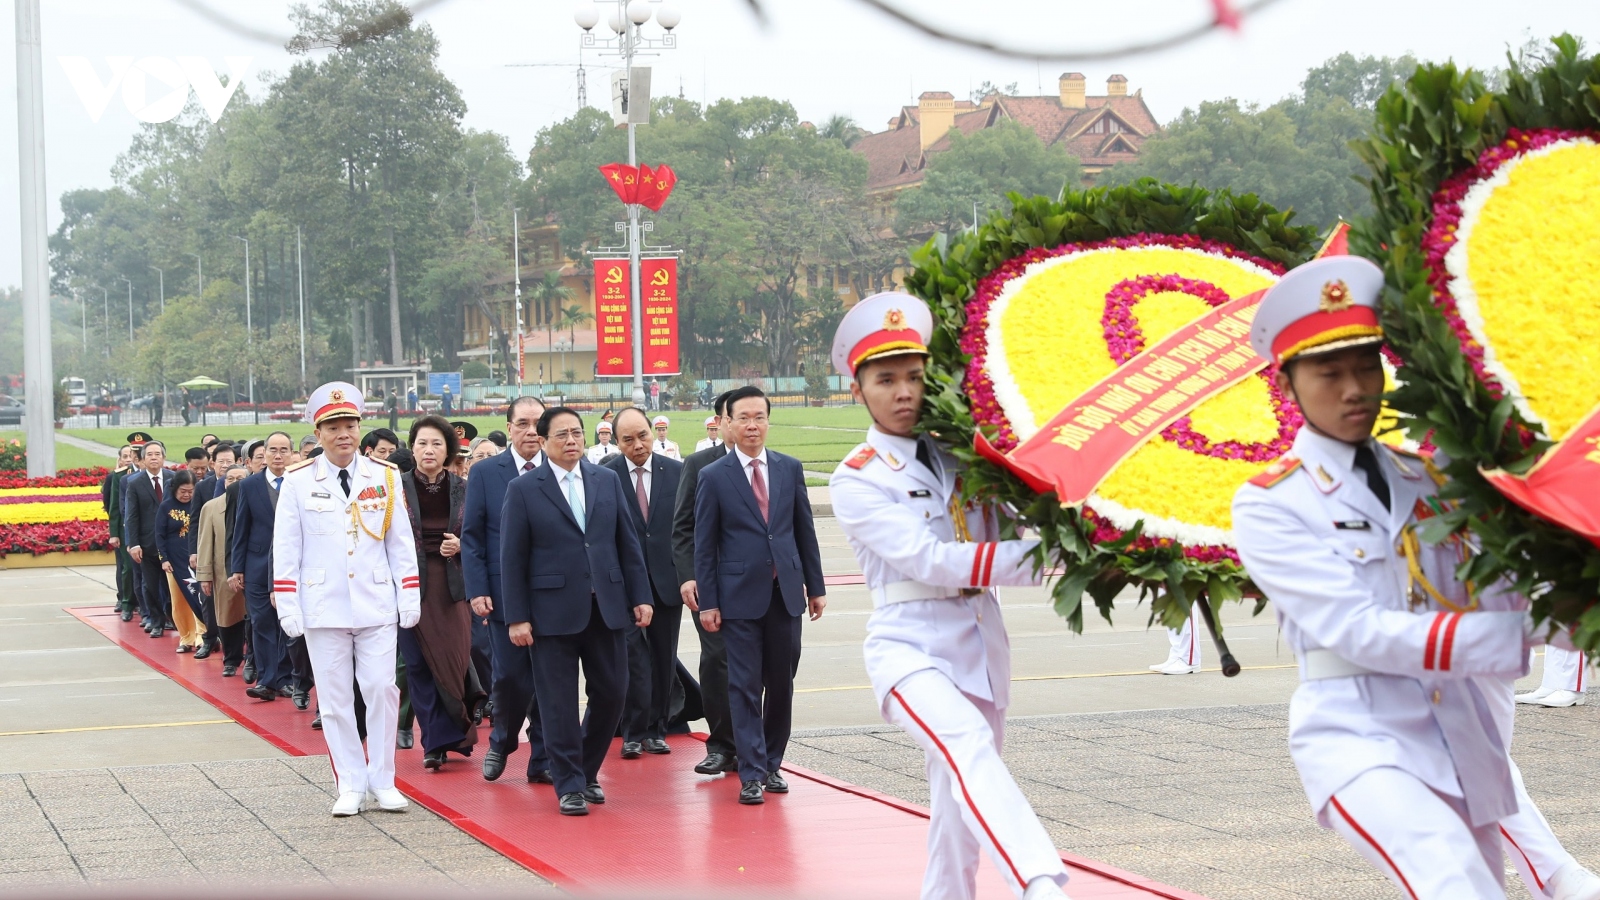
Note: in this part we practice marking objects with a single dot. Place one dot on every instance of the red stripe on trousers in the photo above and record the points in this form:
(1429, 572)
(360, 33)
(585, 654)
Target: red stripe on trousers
(1381, 852)
(1583, 663)
(951, 761)
(1449, 642)
(1538, 882)
(1191, 636)
(1433, 634)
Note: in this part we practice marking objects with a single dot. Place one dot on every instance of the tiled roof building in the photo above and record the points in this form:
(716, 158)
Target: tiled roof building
(1100, 131)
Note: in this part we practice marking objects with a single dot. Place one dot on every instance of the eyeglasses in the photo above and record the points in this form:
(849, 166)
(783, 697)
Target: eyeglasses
(569, 434)
(751, 420)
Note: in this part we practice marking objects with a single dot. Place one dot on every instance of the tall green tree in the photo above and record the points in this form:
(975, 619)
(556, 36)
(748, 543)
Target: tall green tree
(978, 171)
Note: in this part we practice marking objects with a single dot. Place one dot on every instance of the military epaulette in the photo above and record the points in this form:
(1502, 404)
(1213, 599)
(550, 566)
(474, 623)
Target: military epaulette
(1276, 472)
(300, 465)
(861, 457)
(382, 462)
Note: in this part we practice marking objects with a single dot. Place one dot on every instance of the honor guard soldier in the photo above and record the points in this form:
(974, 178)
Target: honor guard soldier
(345, 575)
(936, 649)
(1394, 726)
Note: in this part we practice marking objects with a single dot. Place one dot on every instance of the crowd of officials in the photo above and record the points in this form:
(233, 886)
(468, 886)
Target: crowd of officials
(502, 635)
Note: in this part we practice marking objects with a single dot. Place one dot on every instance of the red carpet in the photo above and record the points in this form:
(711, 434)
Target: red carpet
(664, 827)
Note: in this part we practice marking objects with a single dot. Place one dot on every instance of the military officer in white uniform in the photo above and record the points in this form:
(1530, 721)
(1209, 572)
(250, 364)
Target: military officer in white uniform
(1564, 682)
(1393, 729)
(345, 575)
(936, 647)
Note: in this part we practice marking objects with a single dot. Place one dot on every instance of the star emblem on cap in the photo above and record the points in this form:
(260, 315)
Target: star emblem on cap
(336, 395)
(894, 319)
(1336, 297)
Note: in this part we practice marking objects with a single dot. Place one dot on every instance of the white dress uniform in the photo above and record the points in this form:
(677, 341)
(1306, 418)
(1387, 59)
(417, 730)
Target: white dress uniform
(1565, 680)
(345, 573)
(1183, 647)
(936, 648)
(597, 453)
(1393, 728)
(663, 446)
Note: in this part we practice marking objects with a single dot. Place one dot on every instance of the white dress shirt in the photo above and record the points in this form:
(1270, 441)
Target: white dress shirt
(745, 461)
(576, 492)
(633, 478)
(520, 463)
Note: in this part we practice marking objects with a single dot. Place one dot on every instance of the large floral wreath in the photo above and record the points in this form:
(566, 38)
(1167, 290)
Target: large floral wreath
(1488, 225)
(1033, 309)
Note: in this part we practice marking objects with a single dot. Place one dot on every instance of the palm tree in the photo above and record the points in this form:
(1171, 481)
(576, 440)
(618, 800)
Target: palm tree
(842, 128)
(573, 315)
(548, 292)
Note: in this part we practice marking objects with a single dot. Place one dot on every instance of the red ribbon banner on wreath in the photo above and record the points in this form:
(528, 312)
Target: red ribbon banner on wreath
(1564, 486)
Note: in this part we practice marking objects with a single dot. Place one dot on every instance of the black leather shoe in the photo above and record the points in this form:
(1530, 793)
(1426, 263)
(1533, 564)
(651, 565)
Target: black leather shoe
(433, 759)
(205, 651)
(302, 699)
(316, 724)
(262, 692)
(776, 784)
(716, 763)
(540, 776)
(127, 615)
(404, 739)
(285, 693)
(593, 794)
(249, 672)
(155, 632)
(632, 750)
(494, 765)
(750, 793)
(656, 746)
(488, 710)
(573, 804)
(229, 671)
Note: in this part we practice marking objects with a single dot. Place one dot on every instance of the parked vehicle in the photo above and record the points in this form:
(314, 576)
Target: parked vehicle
(77, 391)
(11, 410)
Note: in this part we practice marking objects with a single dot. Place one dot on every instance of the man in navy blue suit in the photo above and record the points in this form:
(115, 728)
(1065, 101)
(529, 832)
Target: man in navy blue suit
(511, 689)
(652, 481)
(574, 580)
(252, 569)
(147, 487)
(758, 569)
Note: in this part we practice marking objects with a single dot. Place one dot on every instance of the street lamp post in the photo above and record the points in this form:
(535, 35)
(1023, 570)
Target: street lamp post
(516, 269)
(300, 278)
(130, 307)
(105, 300)
(161, 279)
(627, 20)
(249, 328)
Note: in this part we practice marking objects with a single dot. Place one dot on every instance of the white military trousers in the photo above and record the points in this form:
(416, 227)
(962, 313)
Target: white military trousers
(1421, 840)
(1183, 643)
(340, 659)
(975, 802)
(1564, 670)
(1530, 844)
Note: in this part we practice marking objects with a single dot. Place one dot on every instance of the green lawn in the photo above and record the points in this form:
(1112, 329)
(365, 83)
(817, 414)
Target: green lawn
(819, 438)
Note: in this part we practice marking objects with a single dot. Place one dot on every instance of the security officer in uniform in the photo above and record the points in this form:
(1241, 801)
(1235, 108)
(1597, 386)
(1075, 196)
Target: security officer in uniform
(936, 648)
(1404, 669)
(344, 514)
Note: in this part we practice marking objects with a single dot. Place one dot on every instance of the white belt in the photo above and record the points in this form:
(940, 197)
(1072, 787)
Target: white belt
(904, 591)
(1321, 664)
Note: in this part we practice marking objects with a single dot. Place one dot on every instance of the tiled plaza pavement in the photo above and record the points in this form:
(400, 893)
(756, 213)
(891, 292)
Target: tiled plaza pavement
(245, 823)
(1207, 799)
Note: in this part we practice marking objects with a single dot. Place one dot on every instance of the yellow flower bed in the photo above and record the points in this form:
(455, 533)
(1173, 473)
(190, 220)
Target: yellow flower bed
(41, 513)
(1047, 341)
(48, 491)
(1530, 238)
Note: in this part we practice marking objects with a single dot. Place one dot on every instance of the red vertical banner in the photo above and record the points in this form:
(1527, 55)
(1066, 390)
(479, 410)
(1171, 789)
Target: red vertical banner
(659, 281)
(613, 347)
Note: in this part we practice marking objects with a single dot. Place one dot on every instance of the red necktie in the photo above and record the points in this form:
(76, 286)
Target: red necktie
(638, 490)
(156, 482)
(759, 485)
(527, 466)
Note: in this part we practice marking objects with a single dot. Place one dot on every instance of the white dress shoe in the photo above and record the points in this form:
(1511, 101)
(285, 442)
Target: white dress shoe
(1563, 698)
(348, 804)
(1175, 667)
(1044, 888)
(389, 799)
(1574, 882)
(1535, 696)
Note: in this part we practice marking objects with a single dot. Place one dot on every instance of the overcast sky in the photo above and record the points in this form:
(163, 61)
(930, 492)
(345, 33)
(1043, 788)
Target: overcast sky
(825, 56)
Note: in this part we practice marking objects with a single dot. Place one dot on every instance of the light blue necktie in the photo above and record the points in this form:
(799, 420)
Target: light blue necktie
(572, 499)
(277, 483)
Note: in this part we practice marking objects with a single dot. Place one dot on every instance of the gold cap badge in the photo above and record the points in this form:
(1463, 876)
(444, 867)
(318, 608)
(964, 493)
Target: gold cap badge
(1336, 297)
(336, 395)
(894, 319)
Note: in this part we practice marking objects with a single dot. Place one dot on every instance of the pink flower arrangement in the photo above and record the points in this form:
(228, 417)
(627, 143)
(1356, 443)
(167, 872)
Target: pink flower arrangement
(64, 537)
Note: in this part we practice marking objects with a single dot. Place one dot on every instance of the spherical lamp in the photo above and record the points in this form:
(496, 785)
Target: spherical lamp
(586, 15)
(668, 16)
(639, 12)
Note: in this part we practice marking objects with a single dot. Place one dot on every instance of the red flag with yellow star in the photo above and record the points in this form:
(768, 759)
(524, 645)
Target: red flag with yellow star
(624, 179)
(655, 185)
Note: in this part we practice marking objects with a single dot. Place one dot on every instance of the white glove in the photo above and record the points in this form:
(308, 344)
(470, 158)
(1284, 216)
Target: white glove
(291, 626)
(410, 617)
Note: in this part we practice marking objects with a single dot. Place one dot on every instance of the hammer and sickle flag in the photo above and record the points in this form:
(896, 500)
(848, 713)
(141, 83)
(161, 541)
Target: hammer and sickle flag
(1564, 485)
(624, 179)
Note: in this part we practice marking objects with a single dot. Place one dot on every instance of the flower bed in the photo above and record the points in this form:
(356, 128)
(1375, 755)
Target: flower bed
(1486, 207)
(66, 478)
(1032, 310)
(61, 514)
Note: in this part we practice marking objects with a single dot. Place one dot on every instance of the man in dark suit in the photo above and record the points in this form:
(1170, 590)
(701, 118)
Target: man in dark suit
(147, 487)
(652, 481)
(511, 690)
(136, 440)
(758, 568)
(111, 501)
(574, 581)
(720, 754)
(251, 564)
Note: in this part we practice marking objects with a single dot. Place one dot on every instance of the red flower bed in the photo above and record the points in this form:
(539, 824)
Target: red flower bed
(62, 537)
(65, 478)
